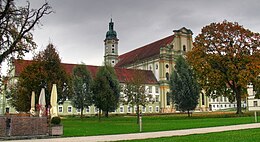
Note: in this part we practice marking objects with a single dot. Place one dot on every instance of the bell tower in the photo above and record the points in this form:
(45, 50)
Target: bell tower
(111, 46)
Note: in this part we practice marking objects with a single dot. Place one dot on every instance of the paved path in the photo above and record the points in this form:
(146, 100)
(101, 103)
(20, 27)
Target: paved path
(147, 134)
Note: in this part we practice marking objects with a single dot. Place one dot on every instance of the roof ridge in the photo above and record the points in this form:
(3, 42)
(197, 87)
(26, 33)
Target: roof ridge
(148, 44)
(144, 52)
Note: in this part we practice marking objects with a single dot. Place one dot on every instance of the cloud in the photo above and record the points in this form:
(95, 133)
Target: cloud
(78, 28)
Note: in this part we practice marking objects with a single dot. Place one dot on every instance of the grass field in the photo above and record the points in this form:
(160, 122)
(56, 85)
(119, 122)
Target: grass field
(249, 135)
(127, 124)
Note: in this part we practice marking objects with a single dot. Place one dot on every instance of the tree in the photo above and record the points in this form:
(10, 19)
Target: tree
(81, 86)
(106, 90)
(44, 71)
(29, 80)
(16, 24)
(226, 59)
(184, 86)
(135, 92)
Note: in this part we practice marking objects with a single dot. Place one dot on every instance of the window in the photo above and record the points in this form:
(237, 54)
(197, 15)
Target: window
(167, 66)
(150, 89)
(150, 109)
(60, 109)
(225, 99)
(157, 108)
(69, 109)
(87, 109)
(156, 66)
(78, 110)
(113, 50)
(167, 76)
(96, 109)
(129, 109)
(203, 99)
(156, 89)
(113, 62)
(168, 98)
(150, 68)
(121, 109)
(213, 106)
(156, 98)
(255, 103)
(144, 109)
(113, 45)
(184, 48)
(7, 110)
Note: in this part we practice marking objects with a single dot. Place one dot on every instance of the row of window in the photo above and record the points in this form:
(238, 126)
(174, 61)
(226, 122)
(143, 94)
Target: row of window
(156, 66)
(220, 99)
(226, 105)
(121, 109)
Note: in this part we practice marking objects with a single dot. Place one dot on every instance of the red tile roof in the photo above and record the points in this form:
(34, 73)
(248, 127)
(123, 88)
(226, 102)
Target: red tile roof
(122, 74)
(144, 52)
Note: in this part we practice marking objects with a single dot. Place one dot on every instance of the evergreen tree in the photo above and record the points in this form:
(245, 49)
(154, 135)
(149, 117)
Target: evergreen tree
(81, 86)
(184, 86)
(106, 90)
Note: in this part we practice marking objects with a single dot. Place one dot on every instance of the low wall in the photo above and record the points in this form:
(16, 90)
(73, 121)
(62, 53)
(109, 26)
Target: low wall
(2, 126)
(23, 126)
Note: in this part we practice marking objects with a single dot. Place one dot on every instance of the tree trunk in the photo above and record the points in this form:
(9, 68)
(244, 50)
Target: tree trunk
(238, 98)
(188, 113)
(106, 114)
(81, 113)
(99, 114)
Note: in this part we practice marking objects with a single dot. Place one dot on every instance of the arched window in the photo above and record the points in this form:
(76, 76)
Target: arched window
(167, 66)
(202, 99)
(168, 98)
(167, 76)
(113, 50)
(184, 48)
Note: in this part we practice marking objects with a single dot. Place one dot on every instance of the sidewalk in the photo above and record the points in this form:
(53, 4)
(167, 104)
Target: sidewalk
(146, 134)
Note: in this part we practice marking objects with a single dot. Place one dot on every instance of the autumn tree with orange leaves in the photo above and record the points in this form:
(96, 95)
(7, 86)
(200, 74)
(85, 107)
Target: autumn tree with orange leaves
(226, 58)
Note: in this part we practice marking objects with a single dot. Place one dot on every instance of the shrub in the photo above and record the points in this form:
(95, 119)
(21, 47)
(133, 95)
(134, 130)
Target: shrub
(55, 120)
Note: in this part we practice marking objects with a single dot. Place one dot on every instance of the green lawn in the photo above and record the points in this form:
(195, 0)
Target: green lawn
(127, 124)
(249, 135)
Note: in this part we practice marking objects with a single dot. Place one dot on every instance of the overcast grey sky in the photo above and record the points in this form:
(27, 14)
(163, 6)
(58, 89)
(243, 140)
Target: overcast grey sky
(78, 27)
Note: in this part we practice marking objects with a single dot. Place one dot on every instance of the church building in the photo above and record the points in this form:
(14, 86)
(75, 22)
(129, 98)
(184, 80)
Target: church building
(158, 57)
(155, 60)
